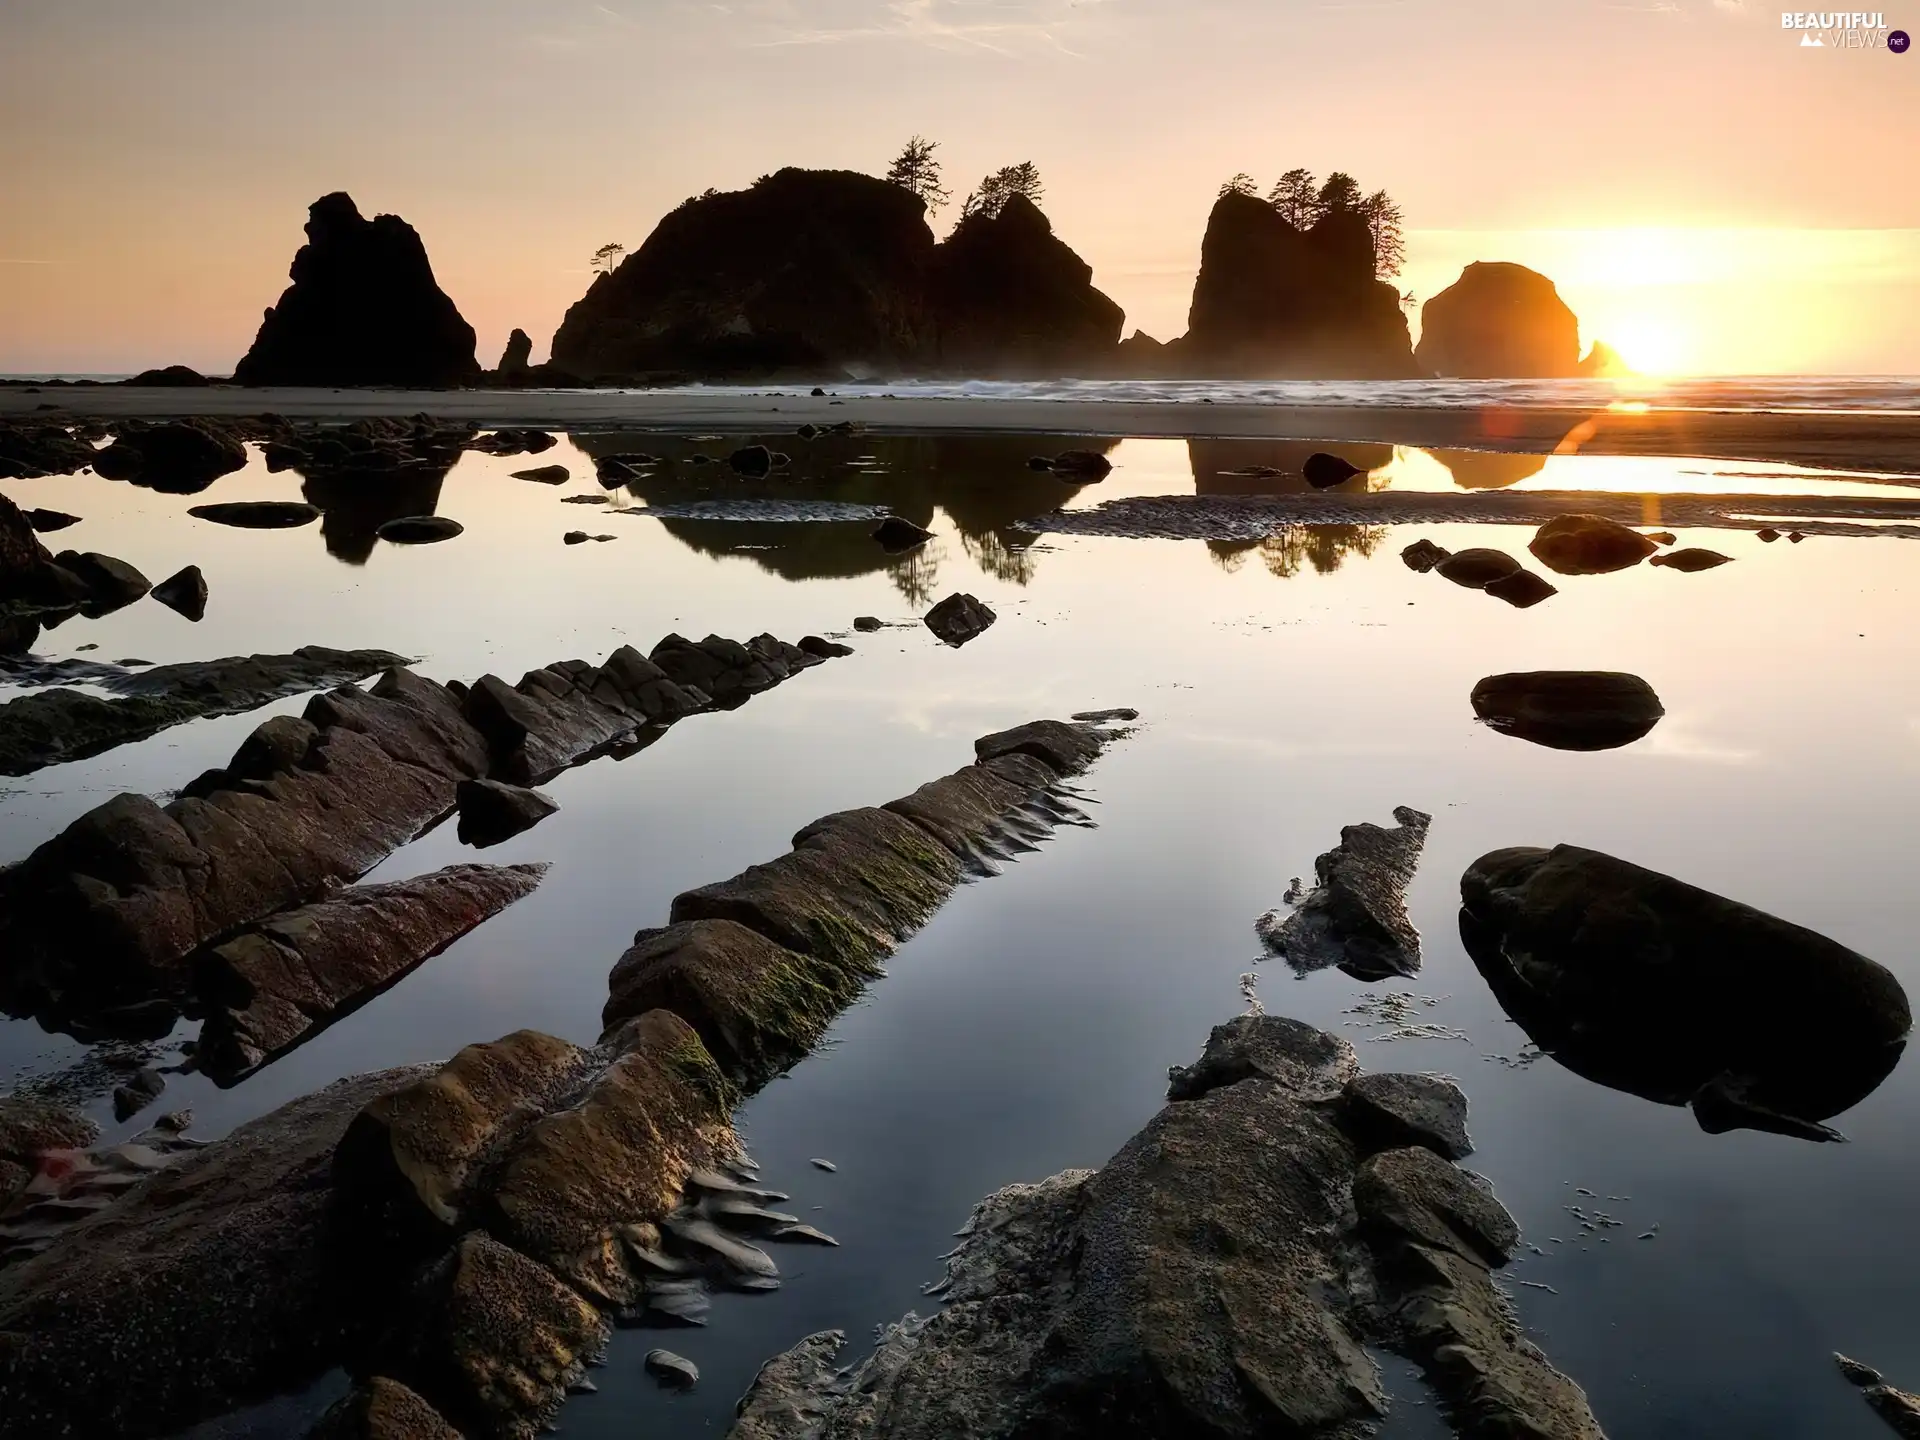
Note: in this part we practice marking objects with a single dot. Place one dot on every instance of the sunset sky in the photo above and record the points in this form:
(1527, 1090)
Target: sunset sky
(1710, 195)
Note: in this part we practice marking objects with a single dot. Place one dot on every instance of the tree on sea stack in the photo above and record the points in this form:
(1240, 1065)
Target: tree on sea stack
(1000, 187)
(1339, 191)
(1296, 195)
(607, 256)
(1241, 184)
(918, 173)
(1389, 242)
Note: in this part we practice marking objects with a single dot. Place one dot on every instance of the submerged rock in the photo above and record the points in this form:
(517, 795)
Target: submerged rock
(1523, 589)
(1356, 917)
(959, 618)
(492, 811)
(258, 514)
(180, 457)
(420, 530)
(1588, 545)
(272, 986)
(184, 592)
(363, 309)
(544, 474)
(1569, 709)
(674, 1371)
(1692, 560)
(109, 583)
(1477, 568)
(1082, 466)
(897, 535)
(1221, 1277)
(1423, 555)
(1644, 983)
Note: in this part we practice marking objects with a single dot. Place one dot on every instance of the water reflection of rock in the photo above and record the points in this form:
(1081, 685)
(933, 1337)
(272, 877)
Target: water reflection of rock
(1642, 983)
(981, 482)
(1489, 469)
(1272, 467)
(354, 504)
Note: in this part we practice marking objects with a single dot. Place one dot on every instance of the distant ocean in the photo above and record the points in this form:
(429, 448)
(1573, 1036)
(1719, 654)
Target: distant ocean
(1826, 394)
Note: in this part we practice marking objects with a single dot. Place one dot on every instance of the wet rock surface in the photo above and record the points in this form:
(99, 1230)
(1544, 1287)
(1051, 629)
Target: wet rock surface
(58, 725)
(1394, 1111)
(492, 812)
(382, 1409)
(1355, 917)
(28, 451)
(1222, 1275)
(270, 987)
(185, 592)
(1477, 568)
(1589, 545)
(1647, 984)
(180, 457)
(1692, 560)
(258, 514)
(420, 530)
(1569, 709)
(959, 618)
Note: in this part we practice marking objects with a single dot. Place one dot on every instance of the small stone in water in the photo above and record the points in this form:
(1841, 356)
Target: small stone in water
(826, 1165)
(805, 1234)
(672, 1370)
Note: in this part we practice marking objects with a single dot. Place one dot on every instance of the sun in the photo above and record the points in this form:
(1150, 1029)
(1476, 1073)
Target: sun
(1650, 344)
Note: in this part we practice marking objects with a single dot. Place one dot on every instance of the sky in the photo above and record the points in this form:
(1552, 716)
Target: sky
(1710, 195)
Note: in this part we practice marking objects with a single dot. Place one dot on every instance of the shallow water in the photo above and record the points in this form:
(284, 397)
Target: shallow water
(1287, 688)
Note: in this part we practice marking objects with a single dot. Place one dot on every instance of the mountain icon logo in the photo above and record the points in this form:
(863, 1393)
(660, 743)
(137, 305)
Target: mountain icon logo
(1811, 41)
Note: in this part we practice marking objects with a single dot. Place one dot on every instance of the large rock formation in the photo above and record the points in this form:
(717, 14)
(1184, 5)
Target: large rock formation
(808, 270)
(1271, 301)
(1498, 321)
(1356, 916)
(1650, 985)
(363, 309)
(1218, 1278)
(1009, 297)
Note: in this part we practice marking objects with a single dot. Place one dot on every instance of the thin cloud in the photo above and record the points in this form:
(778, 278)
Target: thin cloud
(5, 261)
(1002, 27)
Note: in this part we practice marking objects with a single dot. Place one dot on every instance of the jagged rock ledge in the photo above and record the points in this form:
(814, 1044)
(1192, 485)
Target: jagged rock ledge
(1220, 1276)
(112, 909)
(461, 1238)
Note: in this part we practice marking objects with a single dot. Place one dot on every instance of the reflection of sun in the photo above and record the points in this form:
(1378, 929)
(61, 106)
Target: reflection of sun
(1651, 344)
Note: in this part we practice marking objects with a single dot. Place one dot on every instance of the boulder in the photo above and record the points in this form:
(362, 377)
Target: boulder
(808, 269)
(45, 522)
(1423, 555)
(29, 580)
(1083, 467)
(1588, 545)
(184, 591)
(1420, 1197)
(382, 1409)
(1569, 709)
(1066, 748)
(1391, 1112)
(420, 530)
(1323, 471)
(258, 514)
(363, 309)
(143, 1088)
(517, 358)
(1271, 301)
(1523, 589)
(274, 985)
(111, 584)
(1009, 297)
(1647, 984)
(492, 811)
(958, 619)
(897, 535)
(1306, 1062)
(1355, 916)
(28, 451)
(180, 457)
(753, 461)
(544, 475)
(1477, 568)
(169, 377)
(1497, 321)
(1692, 559)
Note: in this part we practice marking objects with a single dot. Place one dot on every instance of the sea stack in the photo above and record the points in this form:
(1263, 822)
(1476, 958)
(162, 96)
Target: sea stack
(1499, 321)
(363, 309)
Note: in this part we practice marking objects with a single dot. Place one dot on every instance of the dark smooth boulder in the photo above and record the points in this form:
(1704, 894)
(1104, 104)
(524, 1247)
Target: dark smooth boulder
(29, 579)
(808, 269)
(1323, 471)
(258, 514)
(111, 583)
(1355, 917)
(1273, 301)
(271, 987)
(752, 460)
(1477, 568)
(1569, 709)
(1650, 985)
(544, 475)
(1692, 559)
(1065, 747)
(185, 591)
(1009, 297)
(959, 618)
(1083, 467)
(420, 530)
(1588, 545)
(45, 522)
(1497, 321)
(1523, 589)
(492, 811)
(363, 309)
(180, 457)
(1423, 555)
(897, 535)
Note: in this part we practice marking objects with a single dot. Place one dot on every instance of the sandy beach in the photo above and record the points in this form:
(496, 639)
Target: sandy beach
(1878, 443)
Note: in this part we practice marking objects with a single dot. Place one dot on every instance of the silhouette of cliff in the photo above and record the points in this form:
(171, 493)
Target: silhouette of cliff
(1271, 301)
(1499, 321)
(363, 309)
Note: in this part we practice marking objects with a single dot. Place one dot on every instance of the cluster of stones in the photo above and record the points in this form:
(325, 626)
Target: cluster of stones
(461, 1238)
(1220, 1276)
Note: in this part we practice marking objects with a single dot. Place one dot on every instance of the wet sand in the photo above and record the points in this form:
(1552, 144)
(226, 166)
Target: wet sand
(1884, 443)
